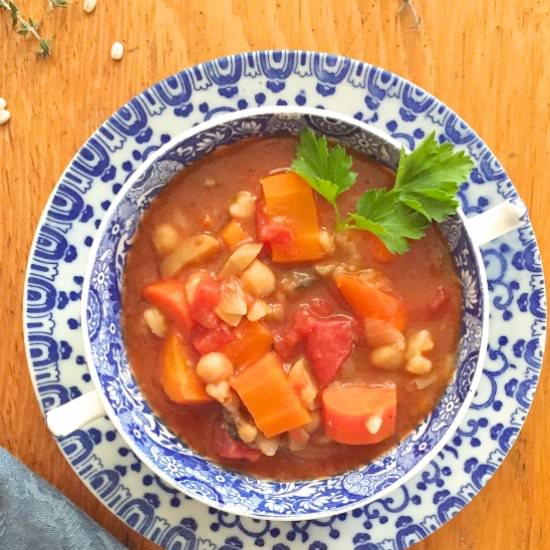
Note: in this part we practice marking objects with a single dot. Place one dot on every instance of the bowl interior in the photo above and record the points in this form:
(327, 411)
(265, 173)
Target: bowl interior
(155, 444)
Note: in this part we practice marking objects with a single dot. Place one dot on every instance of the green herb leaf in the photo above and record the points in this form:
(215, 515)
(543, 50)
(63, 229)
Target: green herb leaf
(381, 212)
(424, 191)
(327, 170)
(45, 48)
(428, 178)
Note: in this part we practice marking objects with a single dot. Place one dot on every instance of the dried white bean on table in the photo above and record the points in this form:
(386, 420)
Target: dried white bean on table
(5, 115)
(117, 51)
(3, 103)
(89, 6)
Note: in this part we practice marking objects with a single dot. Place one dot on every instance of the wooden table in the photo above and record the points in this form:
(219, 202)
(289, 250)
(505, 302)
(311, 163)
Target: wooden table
(489, 61)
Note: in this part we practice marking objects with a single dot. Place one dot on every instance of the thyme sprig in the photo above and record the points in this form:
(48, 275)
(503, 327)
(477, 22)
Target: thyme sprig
(30, 27)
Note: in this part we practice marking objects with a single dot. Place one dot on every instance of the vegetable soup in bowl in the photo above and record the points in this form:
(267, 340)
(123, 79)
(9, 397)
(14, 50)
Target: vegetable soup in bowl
(279, 323)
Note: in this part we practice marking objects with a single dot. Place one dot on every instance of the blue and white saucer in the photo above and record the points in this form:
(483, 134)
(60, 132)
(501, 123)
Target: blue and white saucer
(60, 250)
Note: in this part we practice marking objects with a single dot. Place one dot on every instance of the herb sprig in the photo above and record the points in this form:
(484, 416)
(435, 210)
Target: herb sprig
(29, 27)
(424, 190)
(327, 170)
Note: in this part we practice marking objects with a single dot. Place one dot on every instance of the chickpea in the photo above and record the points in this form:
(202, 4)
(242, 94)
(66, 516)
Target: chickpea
(165, 238)
(258, 279)
(389, 357)
(214, 367)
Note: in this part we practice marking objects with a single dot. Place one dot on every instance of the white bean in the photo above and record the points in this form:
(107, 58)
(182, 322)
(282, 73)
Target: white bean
(419, 365)
(373, 424)
(244, 205)
(389, 357)
(155, 321)
(220, 391)
(247, 431)
(3, 103)
(268, 446)
(5, 115)
(419, 342)
(117, 51)
(89, 6)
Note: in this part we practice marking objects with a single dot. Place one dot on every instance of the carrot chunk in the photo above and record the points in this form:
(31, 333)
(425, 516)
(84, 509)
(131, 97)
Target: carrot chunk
(359, 414)
(378, 249)
(234, 234)
(269, 397)
(371, 297)
(251, 341)
(177, 373)
(169, 297)
(289, 201)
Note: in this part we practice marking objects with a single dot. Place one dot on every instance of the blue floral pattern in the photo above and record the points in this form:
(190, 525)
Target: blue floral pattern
(77, 206)
(170, 457)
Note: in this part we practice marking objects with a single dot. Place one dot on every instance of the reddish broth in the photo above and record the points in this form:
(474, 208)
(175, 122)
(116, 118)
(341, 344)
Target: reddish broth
(422, 276)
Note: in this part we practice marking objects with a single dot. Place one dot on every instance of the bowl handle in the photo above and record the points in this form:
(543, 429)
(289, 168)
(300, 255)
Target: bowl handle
(76, 413)
(495, 222)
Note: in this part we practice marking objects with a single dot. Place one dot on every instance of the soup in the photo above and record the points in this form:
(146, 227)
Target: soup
(268, 341)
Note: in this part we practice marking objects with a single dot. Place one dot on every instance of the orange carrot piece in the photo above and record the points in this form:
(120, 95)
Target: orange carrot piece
(267, 394)
(371, 298)
(378, 249)
(169, 297)
(359, 414)
(252, 340)
(177, 373)
(233, 234)
(290, 199)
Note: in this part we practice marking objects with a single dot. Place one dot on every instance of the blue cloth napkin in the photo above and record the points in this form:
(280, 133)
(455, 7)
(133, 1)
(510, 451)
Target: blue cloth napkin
(34, 515)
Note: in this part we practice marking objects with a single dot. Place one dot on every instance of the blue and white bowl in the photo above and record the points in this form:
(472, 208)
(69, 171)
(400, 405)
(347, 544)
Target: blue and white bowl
(169, 457)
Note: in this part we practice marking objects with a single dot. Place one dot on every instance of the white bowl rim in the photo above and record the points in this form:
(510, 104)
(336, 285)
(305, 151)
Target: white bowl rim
(151, 159)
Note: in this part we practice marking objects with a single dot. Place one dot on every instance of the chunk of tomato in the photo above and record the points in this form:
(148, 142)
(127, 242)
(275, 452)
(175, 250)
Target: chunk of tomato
(206, 297)
(229, 448)
(329, 339)
(329, 344)
(269, 231)
(206, 341)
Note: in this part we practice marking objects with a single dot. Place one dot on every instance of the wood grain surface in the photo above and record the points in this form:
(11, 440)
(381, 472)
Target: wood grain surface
(488, 60)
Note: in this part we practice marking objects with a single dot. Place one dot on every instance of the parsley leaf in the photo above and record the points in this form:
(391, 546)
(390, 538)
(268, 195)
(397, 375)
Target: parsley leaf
(327, 170)
(381, 212)
(428, 178)
(424, 191)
